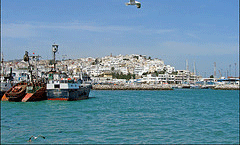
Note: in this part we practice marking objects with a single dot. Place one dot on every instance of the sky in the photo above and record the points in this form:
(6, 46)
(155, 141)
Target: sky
(200, 31)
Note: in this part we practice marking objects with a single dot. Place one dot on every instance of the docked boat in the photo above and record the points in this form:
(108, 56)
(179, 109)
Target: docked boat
(5, 86)
(186, 86)
(32, 90)
(6, 81)
(15, 93)
(204, 87)
(35, 92)
(23, 92)
(194, 86)
(60, 87)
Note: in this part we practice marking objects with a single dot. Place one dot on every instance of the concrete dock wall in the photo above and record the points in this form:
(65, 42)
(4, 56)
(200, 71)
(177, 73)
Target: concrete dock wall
(131, 87)
(226, 87)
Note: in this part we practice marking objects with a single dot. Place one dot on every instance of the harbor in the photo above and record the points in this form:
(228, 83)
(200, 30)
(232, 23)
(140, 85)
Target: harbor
(119, 72)
(57, 85)
(107, 73)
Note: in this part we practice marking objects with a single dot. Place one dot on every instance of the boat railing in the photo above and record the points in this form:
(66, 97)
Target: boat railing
(63, 81)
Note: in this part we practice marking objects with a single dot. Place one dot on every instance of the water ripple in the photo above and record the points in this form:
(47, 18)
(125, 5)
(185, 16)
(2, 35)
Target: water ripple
(127, 117)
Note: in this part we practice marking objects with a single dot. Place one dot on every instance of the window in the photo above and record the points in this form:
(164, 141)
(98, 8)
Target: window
(57, 86)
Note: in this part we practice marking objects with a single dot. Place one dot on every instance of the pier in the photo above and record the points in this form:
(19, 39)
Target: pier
(131, 87)
(157, 87)
(226, 87)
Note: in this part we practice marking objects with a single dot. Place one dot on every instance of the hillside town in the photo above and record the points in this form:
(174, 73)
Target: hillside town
(121, 69)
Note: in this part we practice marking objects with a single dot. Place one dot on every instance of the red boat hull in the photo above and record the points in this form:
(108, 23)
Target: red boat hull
(15, 93)
(39, 95)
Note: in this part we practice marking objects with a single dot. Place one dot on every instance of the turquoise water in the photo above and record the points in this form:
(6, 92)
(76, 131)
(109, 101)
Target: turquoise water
(117, 117)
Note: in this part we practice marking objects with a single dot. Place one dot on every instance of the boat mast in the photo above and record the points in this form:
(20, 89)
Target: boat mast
(194, 72)
(54, 50)
(36, 59)
(1, 69)
(2, 66)
(26, 59)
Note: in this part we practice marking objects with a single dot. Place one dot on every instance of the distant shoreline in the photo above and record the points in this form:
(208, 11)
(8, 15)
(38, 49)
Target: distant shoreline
(130, 87)
(154, 87)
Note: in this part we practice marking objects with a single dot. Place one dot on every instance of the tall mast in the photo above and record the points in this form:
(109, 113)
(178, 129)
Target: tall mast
(26, 59)
(194, 67)
(54, 50)
(230, 70)
(2, 66)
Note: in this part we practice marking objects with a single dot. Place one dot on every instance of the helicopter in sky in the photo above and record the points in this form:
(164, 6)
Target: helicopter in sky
(133, 2)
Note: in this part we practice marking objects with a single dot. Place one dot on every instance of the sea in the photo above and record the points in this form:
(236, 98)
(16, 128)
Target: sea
(189, 116)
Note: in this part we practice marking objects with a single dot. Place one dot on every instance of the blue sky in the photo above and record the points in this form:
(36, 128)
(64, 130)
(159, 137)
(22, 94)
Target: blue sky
(201, 31)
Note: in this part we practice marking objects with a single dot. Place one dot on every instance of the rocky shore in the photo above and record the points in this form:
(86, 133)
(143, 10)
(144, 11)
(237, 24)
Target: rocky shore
(153, 87)
(131, 87)
(226, 87)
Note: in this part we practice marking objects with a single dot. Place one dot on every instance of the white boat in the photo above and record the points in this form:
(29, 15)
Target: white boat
(60, 87)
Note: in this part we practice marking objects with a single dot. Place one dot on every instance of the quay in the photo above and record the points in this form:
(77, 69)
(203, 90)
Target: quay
(226, 87)
(131, 87)
(158, 87)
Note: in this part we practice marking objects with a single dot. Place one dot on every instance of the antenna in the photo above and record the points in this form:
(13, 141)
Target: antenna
(220, 73)
(230, 70)
(194, 68)
(186, 64)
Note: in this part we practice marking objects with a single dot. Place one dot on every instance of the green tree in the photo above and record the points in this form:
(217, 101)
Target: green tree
(134, 76)
(96, 61)
(175, 73)
(112, 69)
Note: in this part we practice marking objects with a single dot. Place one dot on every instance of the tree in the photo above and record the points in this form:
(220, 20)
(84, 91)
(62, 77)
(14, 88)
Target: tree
(134, 76)
(96, 61)
(128, 77)
(174, 73)
(145, 73)
(112, 69)
(211, 76)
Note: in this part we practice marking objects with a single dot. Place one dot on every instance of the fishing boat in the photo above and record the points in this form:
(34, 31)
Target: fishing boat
(61, 86)
(24, 92)
(35, 92)
(6, 84)
(66, 88)
(6, 80)
(32, 90)
(15, 93)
